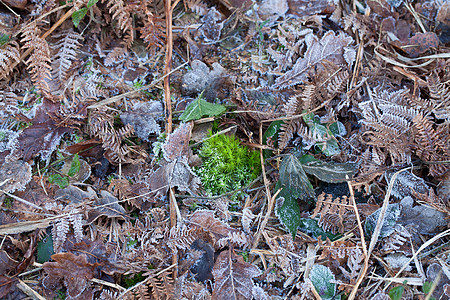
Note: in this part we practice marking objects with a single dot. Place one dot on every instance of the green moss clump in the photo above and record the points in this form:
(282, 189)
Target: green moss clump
(227, 166)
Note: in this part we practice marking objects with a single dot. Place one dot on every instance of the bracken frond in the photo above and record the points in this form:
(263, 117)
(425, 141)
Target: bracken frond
(9, 54)
(39, 60)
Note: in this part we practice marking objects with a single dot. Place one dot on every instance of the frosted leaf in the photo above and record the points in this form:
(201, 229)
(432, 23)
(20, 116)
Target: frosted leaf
(200, 76)
(143, 118)
(424, 219)
(14, 175)
(8, 140)
(233, 277)
(397, 261)
(184, 178)
(212, 25)
(405, 183)
(272, 9)
(381, 296)
(394, 3)
(322, 278)
(247, 219)
(77, 224)
(349, 55)
(390, 219)
(330, 47)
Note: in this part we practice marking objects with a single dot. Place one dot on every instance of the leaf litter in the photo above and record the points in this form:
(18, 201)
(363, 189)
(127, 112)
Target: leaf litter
(104, 192)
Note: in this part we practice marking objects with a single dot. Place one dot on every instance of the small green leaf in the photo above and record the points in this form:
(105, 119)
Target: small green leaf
(311, 227)
(75, 166)
(78, 15)
(91, 3)
(288, 212)
(60, 181)
(200, 108)
(396, 292)
(45, 249)
(322, 278)
(272, 132)
(426, 288)
(331, 172)
(4, 39)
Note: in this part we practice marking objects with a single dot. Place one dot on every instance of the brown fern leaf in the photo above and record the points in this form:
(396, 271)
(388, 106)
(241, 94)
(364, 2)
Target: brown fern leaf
(387, 122)
(432, 144)
(153, 32)
(161, 287)
(9, 54)
(301, 102)
(287, 132)
(331, 212)
(121, 13)
(39, 61)
(440, 97)
(101, 126)
(67, 45)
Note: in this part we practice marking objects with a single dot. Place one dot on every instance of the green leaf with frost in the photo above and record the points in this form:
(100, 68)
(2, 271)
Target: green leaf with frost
(311, 227)
(396, 292)
(323, 281)
(45, 249)
(331, 172)
(91, 3)
(78, 15)
(295, 184)
(288, 211)
(200, 108)
(390, 219)
(294, 178)
(272, 133)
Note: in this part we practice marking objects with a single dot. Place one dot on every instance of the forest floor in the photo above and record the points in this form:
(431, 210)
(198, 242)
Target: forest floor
(230, 149)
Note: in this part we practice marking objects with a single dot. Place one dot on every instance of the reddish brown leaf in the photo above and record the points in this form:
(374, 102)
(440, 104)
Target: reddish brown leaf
(205, 220)
(177, 144)
(74, 271)
(5, 285)
(420, 43)
(304, 8)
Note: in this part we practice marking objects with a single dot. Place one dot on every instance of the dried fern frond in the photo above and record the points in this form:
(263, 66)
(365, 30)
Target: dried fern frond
(39, 60)
(332, 212)
(153, 32)
(61, 227)
(440, 97)
(67, 45)
(121, 13)
(9, 54)
(101, 126)
(432, 144)
(387, 121)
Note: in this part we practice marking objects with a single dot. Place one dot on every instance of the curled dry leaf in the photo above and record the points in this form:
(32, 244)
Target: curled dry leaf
(233, 277)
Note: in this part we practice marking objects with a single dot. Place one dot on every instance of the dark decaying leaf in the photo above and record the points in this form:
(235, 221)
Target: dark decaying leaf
(6, 283)
(233, 277)
(305, 8)
(420, 43)
(422, 218)
(73, 271)
(106, 205)
(331, 172)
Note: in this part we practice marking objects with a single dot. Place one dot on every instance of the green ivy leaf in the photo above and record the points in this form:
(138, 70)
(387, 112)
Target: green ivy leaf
(45, 249)
(396, 292)
(426, 288)
(322, 277)
(331, 172)
(91, 3)
(75, 166)
(200, 108)
(60, 181)
(78, 15)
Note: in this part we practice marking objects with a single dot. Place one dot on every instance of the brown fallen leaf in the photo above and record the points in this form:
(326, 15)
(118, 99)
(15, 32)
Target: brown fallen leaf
(74, 271)
(233, 277)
